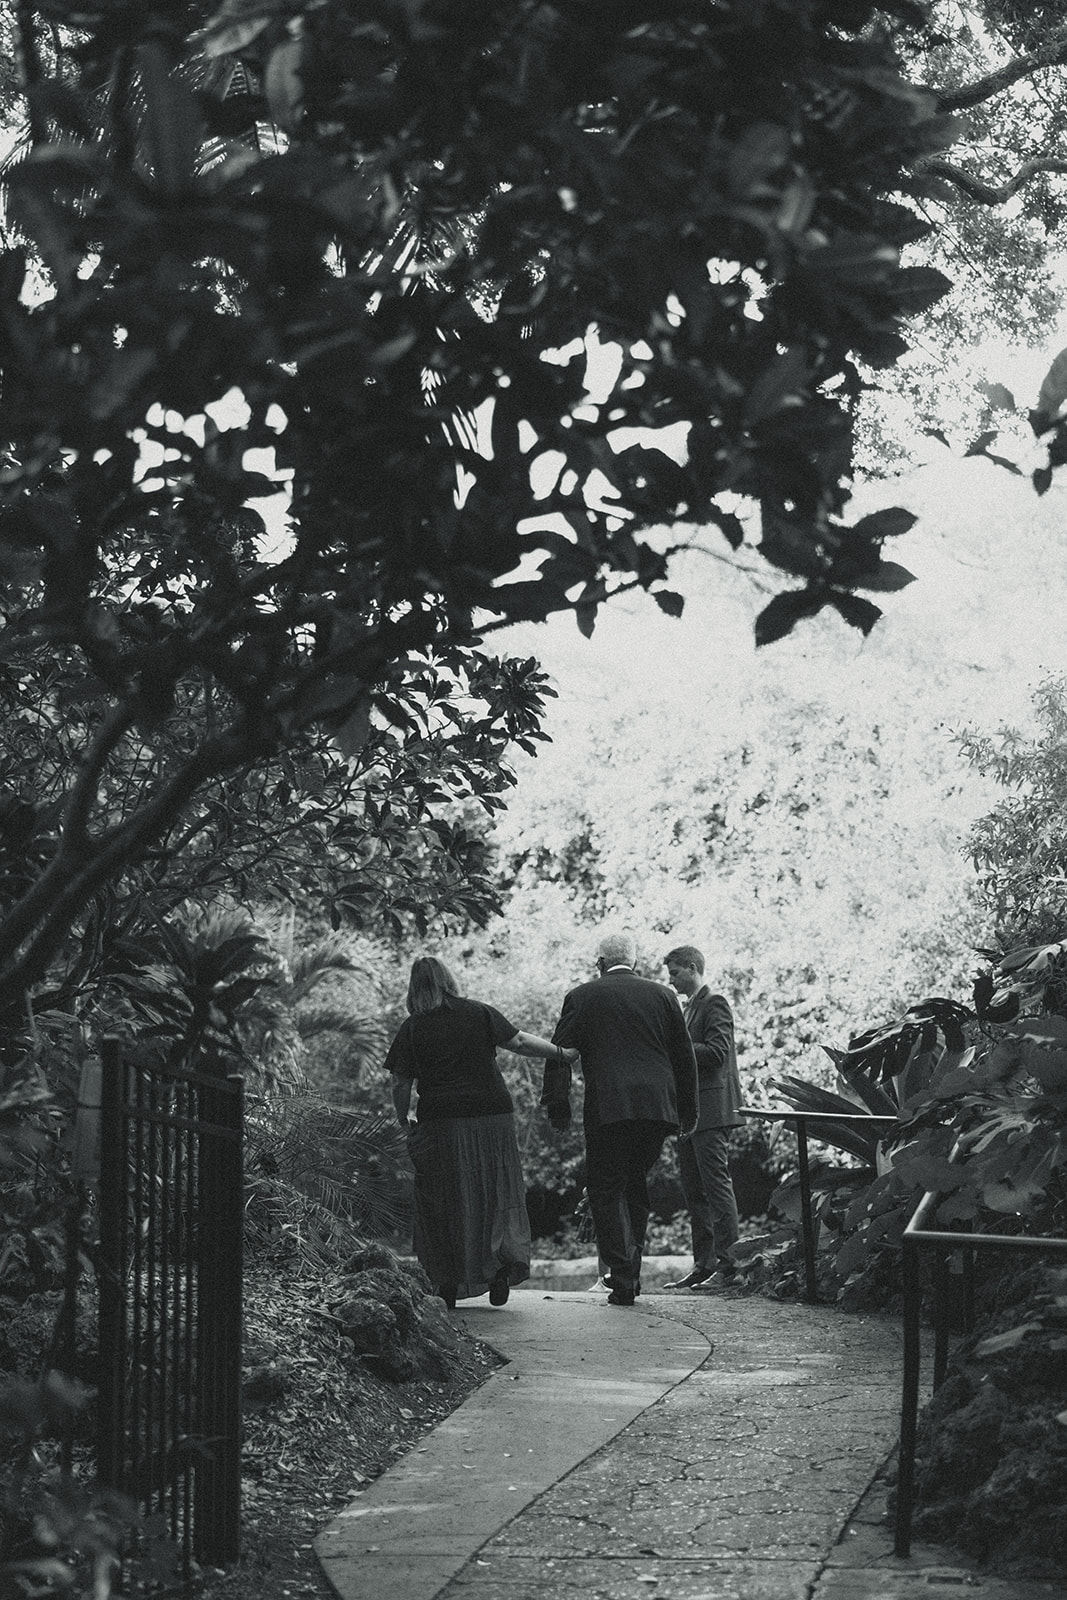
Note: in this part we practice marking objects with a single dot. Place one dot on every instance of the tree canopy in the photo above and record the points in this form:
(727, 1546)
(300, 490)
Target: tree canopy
(997, 210)
(359, 251)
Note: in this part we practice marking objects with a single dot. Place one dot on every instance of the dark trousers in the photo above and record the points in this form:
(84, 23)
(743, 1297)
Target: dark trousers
(704, 1168)
(618, 1159)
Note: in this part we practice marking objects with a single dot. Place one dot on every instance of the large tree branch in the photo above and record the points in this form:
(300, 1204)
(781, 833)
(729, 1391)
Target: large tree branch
(1053, 53)
(27, 955)
(115, 726)
(74, 846)
(31, 69)
(990, 194)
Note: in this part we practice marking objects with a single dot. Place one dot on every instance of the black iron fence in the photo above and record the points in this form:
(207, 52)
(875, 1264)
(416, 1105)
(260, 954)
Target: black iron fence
(171, 1213)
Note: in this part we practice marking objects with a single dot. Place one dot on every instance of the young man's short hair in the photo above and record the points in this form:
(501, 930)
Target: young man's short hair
(686, 955)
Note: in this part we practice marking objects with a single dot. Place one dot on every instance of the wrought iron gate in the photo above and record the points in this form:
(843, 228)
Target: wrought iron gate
(171, 1211)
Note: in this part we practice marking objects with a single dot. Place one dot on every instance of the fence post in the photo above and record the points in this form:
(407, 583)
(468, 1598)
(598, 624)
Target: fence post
(113, 1268)
(217, 1513)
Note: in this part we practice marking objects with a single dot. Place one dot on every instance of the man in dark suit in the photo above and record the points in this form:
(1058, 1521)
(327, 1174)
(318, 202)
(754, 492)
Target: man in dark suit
(640, 1085)
(703, 1159)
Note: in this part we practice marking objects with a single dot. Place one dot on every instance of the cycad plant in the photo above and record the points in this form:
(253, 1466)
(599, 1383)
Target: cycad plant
(202, 990)
(880, 1072)
(320, 1178)
(225, 992)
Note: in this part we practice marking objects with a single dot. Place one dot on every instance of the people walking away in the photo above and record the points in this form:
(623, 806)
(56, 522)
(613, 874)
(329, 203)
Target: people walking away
(640, 1085)
(472, 1232)
(703, 1157)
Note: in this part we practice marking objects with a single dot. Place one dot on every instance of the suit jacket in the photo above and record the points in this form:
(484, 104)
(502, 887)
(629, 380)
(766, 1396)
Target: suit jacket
(636, 1057)
(711, 1028)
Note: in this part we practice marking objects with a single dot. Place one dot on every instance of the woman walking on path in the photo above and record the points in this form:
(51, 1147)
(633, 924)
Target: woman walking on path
(472, 1232)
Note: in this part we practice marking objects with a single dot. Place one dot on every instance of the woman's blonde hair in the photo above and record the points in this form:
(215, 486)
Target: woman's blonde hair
(430, 981)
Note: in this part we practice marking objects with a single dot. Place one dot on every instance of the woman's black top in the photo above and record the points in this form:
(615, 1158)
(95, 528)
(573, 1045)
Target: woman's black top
(450, 1055)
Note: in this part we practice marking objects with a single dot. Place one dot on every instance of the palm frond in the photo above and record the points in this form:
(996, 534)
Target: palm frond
(335, 954)
(357, 1028)
(349, 1162)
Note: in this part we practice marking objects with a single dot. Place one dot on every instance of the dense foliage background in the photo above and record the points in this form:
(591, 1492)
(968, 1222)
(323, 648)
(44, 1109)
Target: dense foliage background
(345, 346)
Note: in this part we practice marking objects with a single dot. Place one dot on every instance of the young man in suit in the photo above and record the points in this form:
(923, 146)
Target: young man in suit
(703, 1159)
(640, 1084)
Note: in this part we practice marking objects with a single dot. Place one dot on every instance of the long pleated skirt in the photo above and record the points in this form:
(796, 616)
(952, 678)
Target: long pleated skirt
(470, 1203)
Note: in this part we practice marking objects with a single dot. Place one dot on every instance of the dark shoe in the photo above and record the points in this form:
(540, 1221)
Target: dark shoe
(618, 1297)
(609, 1283)
(447, 1292)
(721, 1278)
(499, 1288)
(691, 1279)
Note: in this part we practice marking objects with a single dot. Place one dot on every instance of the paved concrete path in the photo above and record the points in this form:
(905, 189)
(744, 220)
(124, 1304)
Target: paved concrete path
(698, 1447)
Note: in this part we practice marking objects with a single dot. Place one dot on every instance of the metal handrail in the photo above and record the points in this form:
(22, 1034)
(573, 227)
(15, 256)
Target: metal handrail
(801, 1119)
(944, 1241)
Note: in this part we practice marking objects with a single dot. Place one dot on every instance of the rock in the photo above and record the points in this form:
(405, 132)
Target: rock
(396, 1364)
(369, 1323)
(961, 1451)
(436, 1343)
(266, 1384)
(417, 1276)
(389, 1286)
(399, 1329)
(369, 1256)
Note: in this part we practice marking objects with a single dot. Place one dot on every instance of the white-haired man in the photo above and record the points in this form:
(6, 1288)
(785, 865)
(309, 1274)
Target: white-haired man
(640, 1085)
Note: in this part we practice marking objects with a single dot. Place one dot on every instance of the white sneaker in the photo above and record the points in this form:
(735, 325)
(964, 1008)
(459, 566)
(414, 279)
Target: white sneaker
(599, 1287)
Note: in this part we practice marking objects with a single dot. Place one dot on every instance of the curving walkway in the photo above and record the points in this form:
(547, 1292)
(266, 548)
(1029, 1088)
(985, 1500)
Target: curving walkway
(698, 1447)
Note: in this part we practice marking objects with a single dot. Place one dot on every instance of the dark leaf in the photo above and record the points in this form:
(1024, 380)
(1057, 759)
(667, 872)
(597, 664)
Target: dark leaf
(1053, 388)
(1000, 398)
(779, 617)
(857, 612)
(1002, 461)
(916, 289)
(886, 578)
(892, 521)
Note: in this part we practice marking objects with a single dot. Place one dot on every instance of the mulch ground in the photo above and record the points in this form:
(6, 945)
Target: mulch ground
(319, 1426)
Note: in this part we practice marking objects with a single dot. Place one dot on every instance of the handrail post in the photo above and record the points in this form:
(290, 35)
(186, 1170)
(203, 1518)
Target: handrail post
(807, 1221)
(941, 1264)
(800, 1121)
(968, 1290)
(909, 1399)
